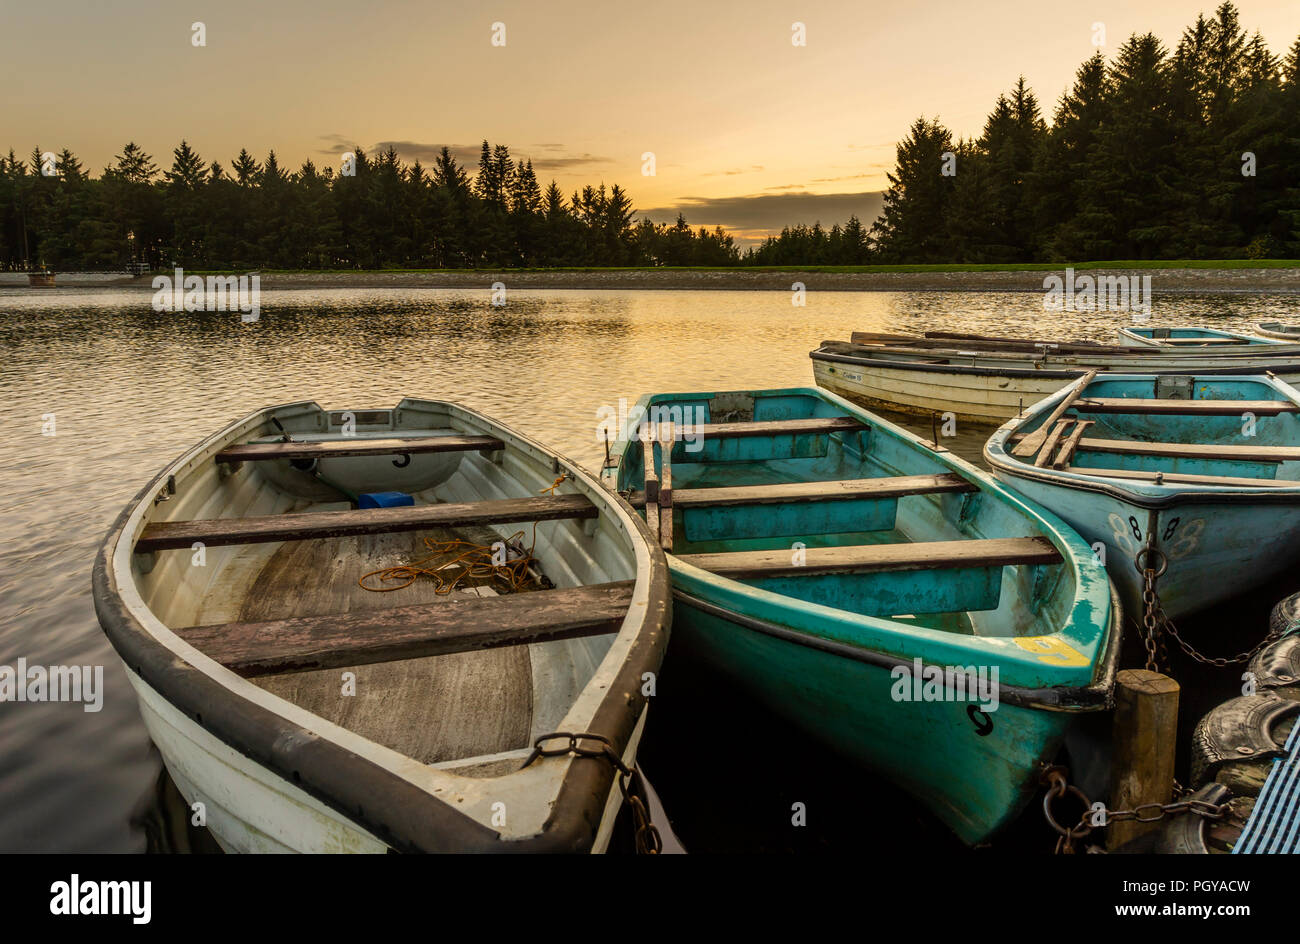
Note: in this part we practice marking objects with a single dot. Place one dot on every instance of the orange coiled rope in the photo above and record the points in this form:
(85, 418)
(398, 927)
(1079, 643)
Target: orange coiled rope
(458, 561)
(451, 563)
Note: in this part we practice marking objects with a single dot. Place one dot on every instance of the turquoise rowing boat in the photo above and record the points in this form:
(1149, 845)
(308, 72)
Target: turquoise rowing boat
(888, 597)
(1189, 337)
(1200, 475)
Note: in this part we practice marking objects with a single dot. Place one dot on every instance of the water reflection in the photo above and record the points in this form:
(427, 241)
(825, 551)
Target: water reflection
(130, 389)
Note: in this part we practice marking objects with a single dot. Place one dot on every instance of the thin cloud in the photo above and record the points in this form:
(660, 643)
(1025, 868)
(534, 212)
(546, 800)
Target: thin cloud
(465, 154)
(568, 163)
(766, 213)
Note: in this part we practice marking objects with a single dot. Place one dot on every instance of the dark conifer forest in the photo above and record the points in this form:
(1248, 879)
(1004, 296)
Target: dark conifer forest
(1189, 151)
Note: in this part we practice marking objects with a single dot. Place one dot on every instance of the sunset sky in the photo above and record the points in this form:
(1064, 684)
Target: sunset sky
(749, 131)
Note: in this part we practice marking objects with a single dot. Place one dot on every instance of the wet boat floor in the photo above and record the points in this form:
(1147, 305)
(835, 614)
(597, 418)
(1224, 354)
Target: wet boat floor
(432, 709)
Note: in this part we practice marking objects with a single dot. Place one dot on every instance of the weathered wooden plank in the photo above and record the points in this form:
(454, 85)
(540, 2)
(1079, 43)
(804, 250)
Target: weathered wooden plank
(1127, 447)
(459, 623)
(666, 487)
(1185, 478)
(949, 340)
(651, 493)
(895, 486)
(1200, 342)
(1033, 441)
(219, 532)
(1069, 446)
(1135, 406)
(336, 448)
(874, 558)
(1049, 446)
(804, 427)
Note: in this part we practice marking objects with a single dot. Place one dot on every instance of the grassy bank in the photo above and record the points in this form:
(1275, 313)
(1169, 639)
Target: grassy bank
(1164, 264)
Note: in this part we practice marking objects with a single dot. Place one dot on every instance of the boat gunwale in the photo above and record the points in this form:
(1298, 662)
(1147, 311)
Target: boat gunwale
(1098, 695)
(1158, 495)
(1273, 329)
(376, 793)
(1062, 372)
(1248, 340)
(1076, 555)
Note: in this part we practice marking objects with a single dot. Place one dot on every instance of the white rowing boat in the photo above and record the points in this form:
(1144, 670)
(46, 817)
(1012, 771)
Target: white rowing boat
(301, 711)
(985, 382)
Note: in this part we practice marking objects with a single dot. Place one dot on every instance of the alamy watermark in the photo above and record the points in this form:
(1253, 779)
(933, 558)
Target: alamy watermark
(83, 683)
(920, 682)
(181, 292)
(1098, 293)
(687, 423)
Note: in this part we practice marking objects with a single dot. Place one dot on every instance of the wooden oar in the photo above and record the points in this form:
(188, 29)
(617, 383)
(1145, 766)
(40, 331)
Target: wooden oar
(666, 487)
(1053, 438)
(1068, 447)
(651, 486)
(1034, 441)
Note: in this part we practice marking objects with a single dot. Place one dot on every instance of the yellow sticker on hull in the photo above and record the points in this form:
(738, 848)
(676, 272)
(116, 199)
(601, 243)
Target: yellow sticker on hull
(1052, 650)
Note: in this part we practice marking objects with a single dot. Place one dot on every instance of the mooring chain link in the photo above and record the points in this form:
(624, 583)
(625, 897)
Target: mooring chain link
(1058, 786)
(648, 840)
(1156, 624)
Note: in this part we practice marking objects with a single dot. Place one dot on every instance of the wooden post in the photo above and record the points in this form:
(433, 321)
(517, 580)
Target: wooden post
(1145, 736)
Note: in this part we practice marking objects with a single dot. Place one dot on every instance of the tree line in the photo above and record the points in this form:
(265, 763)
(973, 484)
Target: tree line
(1193, 153)
(380, 213)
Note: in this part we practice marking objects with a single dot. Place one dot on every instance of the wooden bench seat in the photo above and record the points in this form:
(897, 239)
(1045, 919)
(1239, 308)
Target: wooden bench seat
(336, 448)
(460, 623)
(1196, 342)
(1191, 450)
(219, 532)
(804, 427)
(898, 486)
(878, 558)
(1136, 406)
(1184, 478)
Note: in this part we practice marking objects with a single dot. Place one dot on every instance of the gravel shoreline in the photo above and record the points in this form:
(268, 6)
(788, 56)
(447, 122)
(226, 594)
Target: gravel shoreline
(1162, 280)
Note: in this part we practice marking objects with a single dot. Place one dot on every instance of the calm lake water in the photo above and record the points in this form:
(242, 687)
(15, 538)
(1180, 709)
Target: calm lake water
(130, 389)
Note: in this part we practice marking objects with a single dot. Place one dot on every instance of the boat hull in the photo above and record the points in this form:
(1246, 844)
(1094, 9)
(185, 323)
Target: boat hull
(980, 388)
(930, 749)
(274, 775)
(1214, 548)
(841, 654)
(249, 808)
(1278, 331)
(972, 397)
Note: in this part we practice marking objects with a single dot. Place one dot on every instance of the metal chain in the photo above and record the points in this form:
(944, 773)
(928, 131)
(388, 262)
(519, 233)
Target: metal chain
(1058, 785)
(1150, 622)
(1156, 624)
(647, 838)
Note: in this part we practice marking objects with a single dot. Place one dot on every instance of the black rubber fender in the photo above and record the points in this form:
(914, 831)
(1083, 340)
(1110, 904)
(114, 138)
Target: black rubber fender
(1277, 665)
(1239, 729)
(1286, 613)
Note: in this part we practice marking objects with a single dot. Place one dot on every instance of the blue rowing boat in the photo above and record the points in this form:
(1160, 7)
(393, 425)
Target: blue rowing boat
(1196, 478)
(886, 596)
(1189, 337)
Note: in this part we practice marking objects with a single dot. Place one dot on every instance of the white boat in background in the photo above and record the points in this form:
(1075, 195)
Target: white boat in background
(1189, 337)
(990, 380)
(232, 588)
(1278, 330)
